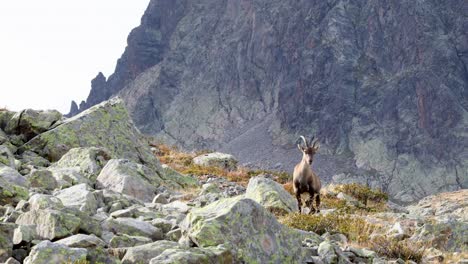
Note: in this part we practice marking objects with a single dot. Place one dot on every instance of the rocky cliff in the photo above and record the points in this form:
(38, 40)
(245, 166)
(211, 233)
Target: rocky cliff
(382, 84)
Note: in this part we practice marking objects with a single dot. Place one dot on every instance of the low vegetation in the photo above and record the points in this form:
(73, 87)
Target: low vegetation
(403, 249)
(354, 228)
(363, 193)
(346, 218)
(183, 163)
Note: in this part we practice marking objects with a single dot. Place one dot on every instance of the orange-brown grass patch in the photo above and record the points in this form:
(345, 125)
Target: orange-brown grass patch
(289, 188)
(183, 163)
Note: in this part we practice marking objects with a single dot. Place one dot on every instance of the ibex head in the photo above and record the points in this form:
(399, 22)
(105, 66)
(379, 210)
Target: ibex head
(308, 152)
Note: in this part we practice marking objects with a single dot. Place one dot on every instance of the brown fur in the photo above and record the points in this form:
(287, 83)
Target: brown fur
(304, 179)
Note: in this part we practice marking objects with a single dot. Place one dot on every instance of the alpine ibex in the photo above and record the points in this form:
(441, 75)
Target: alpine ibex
(304, 179)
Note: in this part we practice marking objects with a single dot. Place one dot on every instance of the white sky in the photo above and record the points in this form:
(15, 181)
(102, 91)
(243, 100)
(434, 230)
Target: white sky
(51, 49)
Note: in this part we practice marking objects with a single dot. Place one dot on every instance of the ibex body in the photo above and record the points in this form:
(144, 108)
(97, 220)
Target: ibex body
(304, 179)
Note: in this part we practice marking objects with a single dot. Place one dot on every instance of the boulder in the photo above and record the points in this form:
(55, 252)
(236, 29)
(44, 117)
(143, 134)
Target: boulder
(6, 242)
(271, 195)
(217, 254)
(79, 197)
(3, 136)
(176, 179)
(47, 252)
(123, 241)
(67, 177)
(33, 159)
(106, 125)
(12, 176)
(216, 159)
(89, 161)
(362, 252)
(130, 178)
(42, 179)
(241, 223)
(32, 122)
(43, 201)
(160, 199)
(146, 252)
(132, 227)
(6, 157)
(50, 224)
(163, 224)
(24, 233)
(11, 193)
(5, 117)
(174, 235)
(326, 251)
(81, 241)
(12, 261)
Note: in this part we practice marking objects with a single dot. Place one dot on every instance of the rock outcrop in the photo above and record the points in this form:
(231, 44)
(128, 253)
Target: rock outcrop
(106, 125)
(244, 224)
(271, 195)
(382, 84)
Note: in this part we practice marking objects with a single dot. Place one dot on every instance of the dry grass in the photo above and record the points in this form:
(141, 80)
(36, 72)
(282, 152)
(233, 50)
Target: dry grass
(183, 163)
(354, 228)
(404, 249)
(363, 193)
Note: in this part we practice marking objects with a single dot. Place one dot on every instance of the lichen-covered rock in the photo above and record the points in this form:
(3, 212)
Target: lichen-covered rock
(216, 159)
(326, 251)
(67, 177)
(12, 176)
(271, 195)
(3, 137)
(47, 252)
(106, 125)
(42, 179)
(11, 193)
(6, 157)
(79, 197)
(170, 176)
(33, 159)
(146, 252)
(32, 122)
(163, 224)
(50, 224)
(132, 227)
(443, 205)
(6, 240)
(130, 178)
(123, 241)
(82, 241)
(243, 224)
(217, 254)
(24, 233)
(43, 201)
(89, 161)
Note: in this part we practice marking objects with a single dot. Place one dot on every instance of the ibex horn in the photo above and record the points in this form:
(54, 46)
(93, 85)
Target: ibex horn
(305, 141)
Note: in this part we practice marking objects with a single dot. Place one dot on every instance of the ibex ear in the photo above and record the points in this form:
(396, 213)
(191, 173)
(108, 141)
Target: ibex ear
(316, 147)
(299, 147)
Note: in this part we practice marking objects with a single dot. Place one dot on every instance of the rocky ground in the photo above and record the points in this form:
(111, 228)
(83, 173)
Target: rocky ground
(89, 189)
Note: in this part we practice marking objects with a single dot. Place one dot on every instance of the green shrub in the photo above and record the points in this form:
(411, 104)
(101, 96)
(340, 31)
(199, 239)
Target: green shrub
(353, 227)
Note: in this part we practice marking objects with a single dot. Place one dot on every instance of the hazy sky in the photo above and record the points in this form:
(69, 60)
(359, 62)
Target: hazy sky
(51, 49)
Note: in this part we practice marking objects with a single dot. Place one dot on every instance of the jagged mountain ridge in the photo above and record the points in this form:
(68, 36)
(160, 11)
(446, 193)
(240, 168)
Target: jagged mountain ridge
(382, 84)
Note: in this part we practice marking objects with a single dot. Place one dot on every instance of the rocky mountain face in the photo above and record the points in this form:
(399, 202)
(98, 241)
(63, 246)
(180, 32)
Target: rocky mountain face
(89, 189)
(382, 84)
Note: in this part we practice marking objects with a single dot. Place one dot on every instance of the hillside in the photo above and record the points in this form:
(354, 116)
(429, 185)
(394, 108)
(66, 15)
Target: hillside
(92, 189)
(382, 84)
